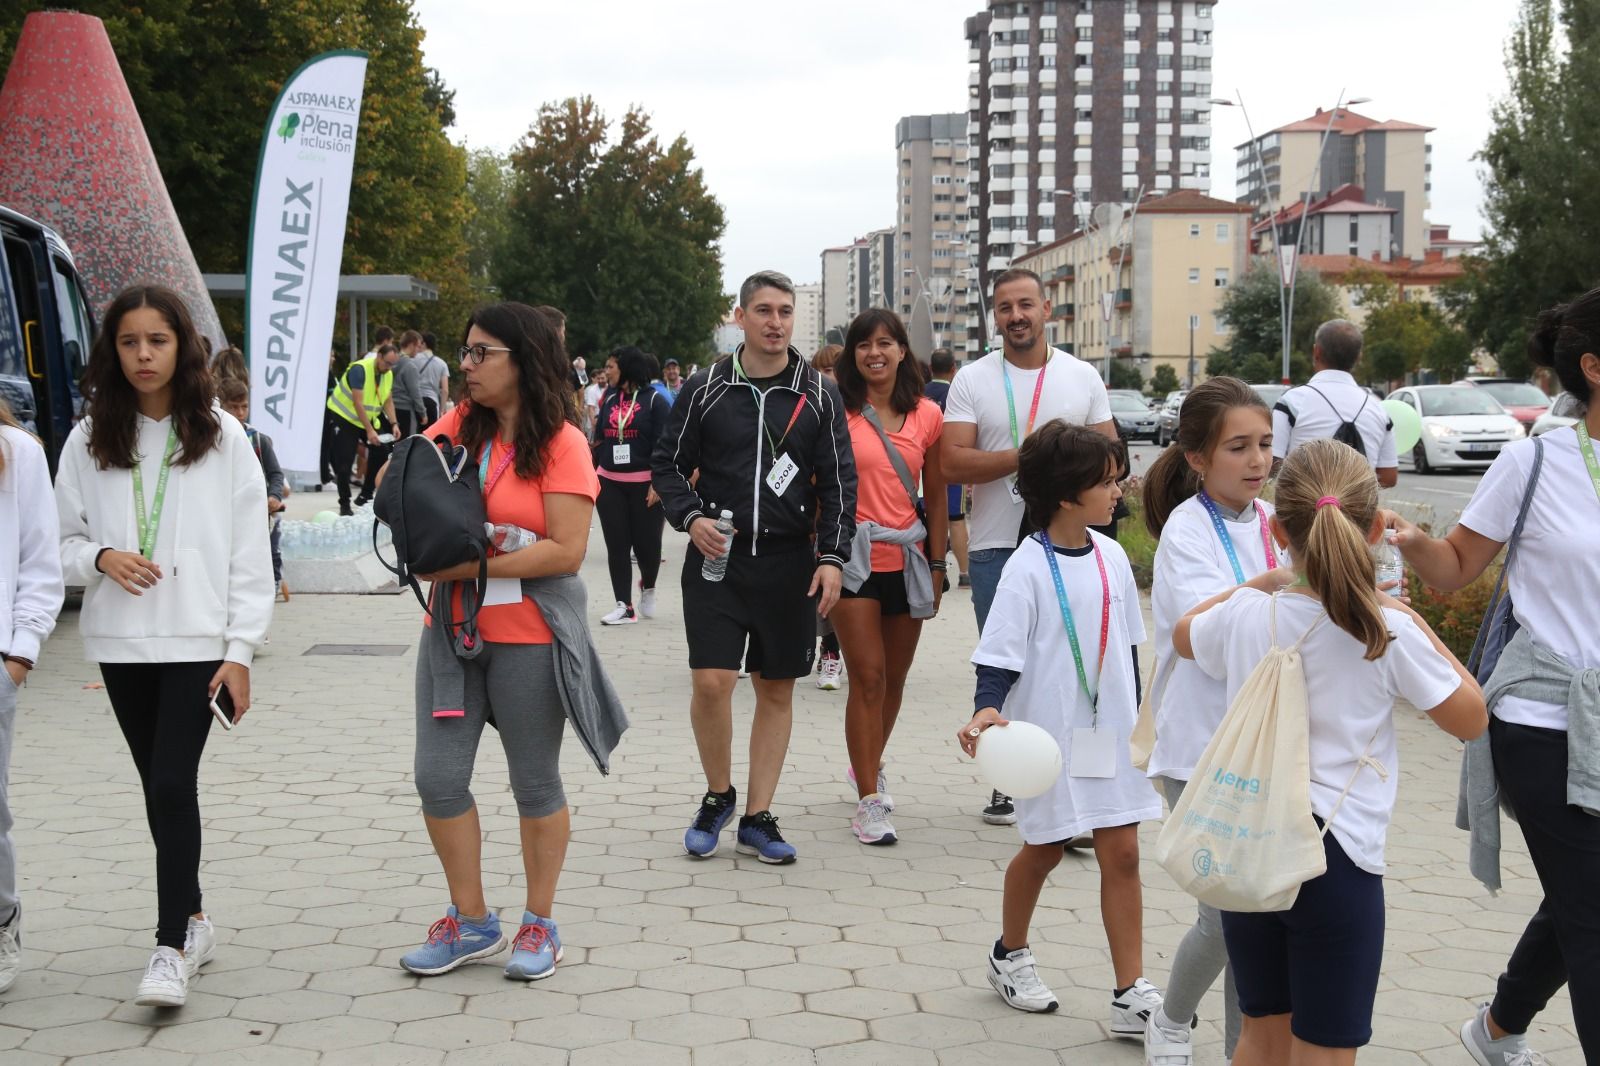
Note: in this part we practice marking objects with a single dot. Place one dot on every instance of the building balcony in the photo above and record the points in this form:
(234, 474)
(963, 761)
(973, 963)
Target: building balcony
(1120, 254)
(1064, 272)
(1124, 350)
(1064, 312)
(1124, 299)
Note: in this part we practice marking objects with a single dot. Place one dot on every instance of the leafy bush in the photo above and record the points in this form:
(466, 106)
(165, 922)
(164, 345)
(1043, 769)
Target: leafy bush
(1455, 616)
(1136, 539)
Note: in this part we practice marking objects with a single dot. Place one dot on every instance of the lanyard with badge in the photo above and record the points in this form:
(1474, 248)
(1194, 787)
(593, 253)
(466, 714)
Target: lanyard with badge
(1227, 541)
(784, 468)
(1586, 446)
(500, 590)
(1094, 754)
(150, 525)
(1033, 412)
(622, 454)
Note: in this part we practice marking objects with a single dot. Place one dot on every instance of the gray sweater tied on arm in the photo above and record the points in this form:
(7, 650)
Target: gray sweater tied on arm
(918, 575)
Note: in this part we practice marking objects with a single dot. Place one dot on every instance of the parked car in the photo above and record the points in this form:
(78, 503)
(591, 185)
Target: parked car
(1135, 421)
(1133, 394)
(1270, 394)
(1564, 410)
(1524, 400)
(1167, 417)
(1460, 427)
(45, 330)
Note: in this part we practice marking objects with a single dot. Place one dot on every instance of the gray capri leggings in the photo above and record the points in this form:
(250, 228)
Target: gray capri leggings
(1201, 956)
(518, 682)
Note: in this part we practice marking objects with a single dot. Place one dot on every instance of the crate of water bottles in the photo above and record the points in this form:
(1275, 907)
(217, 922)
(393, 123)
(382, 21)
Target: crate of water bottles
(331, 536)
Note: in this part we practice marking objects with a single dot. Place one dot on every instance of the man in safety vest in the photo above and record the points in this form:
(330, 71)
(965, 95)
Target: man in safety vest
(361, 396)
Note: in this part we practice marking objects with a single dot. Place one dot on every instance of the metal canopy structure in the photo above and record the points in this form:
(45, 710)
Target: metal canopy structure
(358, 290)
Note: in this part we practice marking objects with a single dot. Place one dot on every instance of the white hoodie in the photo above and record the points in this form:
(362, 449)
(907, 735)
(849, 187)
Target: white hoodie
(214, 599)
(30, 559)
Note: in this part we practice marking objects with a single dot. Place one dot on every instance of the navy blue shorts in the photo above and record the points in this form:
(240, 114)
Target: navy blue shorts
(1319, 960)
(954, 493)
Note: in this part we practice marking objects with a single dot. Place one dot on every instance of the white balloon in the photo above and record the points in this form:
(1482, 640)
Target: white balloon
(1020, 759)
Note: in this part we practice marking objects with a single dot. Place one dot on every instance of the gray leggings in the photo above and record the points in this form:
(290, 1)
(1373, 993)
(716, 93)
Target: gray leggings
(517, 682)
(1201, 956)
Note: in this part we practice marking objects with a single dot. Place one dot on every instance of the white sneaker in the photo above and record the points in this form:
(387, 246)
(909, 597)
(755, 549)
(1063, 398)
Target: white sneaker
(11, 949)
(199, 944)
(622, 615)
(830, 671)
(1131, 1010)
(883, 785)
(871, 823)
(165, 982)
(1164, 1046)
(1017, 980)
(647, 602)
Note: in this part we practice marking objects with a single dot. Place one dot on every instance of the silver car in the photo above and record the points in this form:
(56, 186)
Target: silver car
(1167, 418)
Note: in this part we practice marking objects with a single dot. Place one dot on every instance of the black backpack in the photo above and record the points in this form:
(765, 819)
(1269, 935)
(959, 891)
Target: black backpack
(1347, 433)
(430, 501)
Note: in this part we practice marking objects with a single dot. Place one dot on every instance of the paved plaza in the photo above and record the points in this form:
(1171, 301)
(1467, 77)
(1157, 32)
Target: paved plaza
(318, 875)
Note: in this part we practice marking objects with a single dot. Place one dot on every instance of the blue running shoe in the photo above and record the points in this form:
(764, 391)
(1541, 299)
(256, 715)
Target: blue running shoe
(709, 821)
(759, 836)
(453, 942)
(536, 949)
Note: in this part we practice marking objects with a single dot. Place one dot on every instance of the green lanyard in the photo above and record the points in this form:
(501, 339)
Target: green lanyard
(151, 525)
(1587, 447)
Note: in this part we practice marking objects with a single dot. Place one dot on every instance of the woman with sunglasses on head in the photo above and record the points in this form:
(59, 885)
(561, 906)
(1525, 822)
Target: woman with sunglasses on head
(631, 417)
(160, 500)
(518, 425)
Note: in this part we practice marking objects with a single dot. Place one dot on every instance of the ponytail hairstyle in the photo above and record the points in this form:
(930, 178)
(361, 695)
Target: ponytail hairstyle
(1171, 479)
(6, 419)
(1329, 540)
(1562, 336)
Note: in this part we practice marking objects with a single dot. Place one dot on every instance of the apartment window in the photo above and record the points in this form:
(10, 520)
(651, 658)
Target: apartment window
(905, 181)
(1163, 62)
(938, 179)
(1085, 33)
(1196, 62)
(1130, 193)
(1198, 144)
(1219, 323)
(1130, 114)
(1222, 231)
(1002, 11)
(1189, 117)
(1130, 61)
(1221, 278)
(941, 197)
(1046, 61)
(1194, 229)
(1048, 34)
(941, 253)
(906, 254)
(1130, 7)
(1047, 141)
(1355, 234)
(1130, 33)
(1202, 11)
(1085, 60)
(1000, 170)
(1048, 7)
(906, 200)
(997, 65)
(1163, 114)
(1189, 88)
(1194, 275)
(1047, 114)
(906, 291)
(1085, 115)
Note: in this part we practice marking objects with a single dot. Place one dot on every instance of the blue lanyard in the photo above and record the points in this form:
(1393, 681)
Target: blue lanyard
(1072, 629)
(1227, 541)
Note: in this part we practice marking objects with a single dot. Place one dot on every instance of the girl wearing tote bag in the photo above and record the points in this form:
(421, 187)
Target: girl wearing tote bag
(30, 597)
(1542, 732)
(160, 499)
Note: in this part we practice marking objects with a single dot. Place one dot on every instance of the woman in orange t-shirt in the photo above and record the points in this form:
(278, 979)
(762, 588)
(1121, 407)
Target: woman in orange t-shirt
(877, 630)
(535, 472)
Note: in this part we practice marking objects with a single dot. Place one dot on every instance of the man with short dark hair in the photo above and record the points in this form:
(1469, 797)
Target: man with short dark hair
(1332, 398)
(766, 433)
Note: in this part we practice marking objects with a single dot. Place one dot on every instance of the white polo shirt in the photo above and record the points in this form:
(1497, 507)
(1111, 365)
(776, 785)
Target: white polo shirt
(1301, 415)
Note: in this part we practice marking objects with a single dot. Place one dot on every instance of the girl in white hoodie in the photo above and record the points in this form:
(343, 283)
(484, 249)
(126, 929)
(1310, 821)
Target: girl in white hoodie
(30, 597)
(160, 500)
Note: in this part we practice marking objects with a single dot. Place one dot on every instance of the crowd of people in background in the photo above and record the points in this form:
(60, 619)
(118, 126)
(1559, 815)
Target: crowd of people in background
(821, 498)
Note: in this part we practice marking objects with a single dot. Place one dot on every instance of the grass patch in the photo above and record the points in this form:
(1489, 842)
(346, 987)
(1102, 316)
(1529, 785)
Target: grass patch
(1137, 542)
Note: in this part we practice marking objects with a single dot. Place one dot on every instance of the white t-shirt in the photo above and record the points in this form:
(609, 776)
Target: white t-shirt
(591, 396)
(1072, 391)
(1555, 578)
(1301, 415)
(1351, 700)
(1191, 567)
(1025, 632)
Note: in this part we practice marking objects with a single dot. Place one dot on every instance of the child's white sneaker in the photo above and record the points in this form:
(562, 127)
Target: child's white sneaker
(1133, 1008)
(1166, 1044)
(1016, 978)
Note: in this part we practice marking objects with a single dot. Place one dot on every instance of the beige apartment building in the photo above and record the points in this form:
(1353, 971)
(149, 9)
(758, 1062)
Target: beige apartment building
(929, 283)
(1146, 285)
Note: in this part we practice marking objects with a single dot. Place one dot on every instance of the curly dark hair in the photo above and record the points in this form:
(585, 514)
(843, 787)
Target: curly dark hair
(544, 388)
(113, 403)
(908, 376)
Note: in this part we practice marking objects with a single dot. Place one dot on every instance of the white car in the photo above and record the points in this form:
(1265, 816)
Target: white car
(1460, 427)
(1564, 411)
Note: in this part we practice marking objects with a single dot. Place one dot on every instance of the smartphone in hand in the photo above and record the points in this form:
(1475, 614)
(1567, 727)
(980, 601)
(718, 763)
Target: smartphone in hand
(222, 706)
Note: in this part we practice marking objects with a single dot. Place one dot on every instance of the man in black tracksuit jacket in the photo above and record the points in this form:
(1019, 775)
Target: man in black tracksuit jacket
(767, 435)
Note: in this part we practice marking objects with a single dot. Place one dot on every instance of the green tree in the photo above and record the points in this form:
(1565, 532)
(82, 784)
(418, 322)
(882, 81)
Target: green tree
(489, 229)
(1125, 375)
(1253, 314)
(621, 233)
(1164, 380)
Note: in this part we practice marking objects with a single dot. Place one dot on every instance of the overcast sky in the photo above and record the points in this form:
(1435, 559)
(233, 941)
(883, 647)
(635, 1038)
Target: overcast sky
(791, 108)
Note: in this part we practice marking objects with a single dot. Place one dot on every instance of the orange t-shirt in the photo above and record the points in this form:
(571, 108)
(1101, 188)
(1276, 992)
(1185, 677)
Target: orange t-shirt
(880, 494)
(518, 501)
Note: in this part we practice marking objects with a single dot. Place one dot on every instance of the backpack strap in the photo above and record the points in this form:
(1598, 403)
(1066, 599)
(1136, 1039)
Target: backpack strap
(1329, 402)
(1481, 643)
(1272, 625)
(896, 460)
(1365, 761)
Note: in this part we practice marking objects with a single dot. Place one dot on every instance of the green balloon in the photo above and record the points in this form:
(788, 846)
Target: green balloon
(325, 518)
(1407, 424)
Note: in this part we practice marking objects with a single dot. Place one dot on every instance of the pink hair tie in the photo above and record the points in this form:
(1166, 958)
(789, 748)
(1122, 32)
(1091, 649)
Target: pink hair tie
(1328, 501)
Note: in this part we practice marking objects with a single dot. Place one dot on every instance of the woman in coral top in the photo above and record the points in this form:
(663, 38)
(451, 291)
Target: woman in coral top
(535, 472)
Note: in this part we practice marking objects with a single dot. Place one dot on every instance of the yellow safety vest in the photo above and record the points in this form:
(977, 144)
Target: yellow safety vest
(342, 401)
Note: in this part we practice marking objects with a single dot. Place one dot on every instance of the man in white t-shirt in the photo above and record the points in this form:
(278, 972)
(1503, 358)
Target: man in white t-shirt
(1332, 398)
(994, 403)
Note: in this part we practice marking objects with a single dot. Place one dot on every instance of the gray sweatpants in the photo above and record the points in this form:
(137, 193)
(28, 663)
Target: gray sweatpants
(516, 684)
(8, 852)
(1201, 956)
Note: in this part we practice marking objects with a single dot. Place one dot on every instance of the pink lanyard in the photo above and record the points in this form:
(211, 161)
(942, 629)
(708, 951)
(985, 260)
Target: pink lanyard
(486, 479)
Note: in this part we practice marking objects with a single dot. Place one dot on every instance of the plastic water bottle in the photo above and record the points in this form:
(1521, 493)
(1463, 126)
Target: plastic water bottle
(509, 538)
(716, 569)
(1387, 562)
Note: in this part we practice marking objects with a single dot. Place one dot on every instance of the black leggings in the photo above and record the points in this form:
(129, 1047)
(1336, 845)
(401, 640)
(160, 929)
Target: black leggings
(629, 526)
(164, 712)
(346, 439)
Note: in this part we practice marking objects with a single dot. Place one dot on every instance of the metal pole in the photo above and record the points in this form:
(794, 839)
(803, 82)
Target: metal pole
(1274, 206)
(1300, 234)
(1191, 351)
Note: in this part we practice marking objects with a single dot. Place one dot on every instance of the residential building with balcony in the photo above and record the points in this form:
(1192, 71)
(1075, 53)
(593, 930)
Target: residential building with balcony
(1343, 223)
(929, 285)
(807, 318)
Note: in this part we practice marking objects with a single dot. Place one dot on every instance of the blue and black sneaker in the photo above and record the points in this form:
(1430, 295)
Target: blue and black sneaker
(759, 836)
(716, 809)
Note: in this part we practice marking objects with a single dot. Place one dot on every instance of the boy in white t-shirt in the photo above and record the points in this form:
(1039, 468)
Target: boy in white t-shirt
(1309, 975)
(1059, 650)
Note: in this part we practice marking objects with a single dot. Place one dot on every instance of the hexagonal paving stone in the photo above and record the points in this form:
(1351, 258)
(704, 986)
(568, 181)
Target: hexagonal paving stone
(691, 1029)
(635, 1003)
(86, 1038)
(213, 1036)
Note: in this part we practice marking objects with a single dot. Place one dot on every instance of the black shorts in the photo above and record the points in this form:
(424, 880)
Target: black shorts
(763, 599)
(888, 587)
(1318, 960)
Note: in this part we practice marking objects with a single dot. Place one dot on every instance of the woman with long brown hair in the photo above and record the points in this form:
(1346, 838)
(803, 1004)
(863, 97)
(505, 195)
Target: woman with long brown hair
(160, 500)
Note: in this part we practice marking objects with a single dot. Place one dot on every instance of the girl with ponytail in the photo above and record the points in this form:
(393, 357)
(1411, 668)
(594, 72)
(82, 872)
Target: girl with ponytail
(1307, 977)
